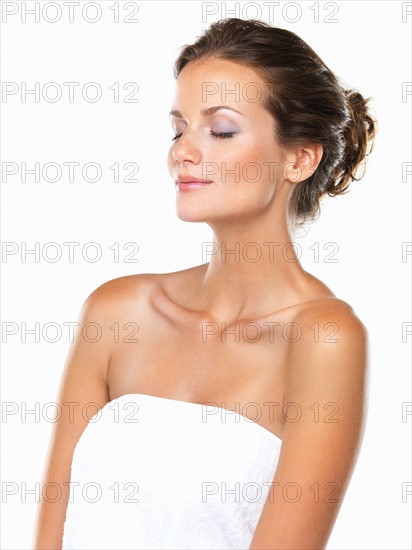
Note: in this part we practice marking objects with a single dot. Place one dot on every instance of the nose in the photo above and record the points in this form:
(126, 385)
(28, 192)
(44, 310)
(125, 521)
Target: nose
(185, 150)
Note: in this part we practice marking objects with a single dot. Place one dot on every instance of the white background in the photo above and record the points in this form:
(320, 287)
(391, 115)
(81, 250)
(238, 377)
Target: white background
(368, 47)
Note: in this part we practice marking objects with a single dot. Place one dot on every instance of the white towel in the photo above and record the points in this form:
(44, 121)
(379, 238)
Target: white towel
(155, 473)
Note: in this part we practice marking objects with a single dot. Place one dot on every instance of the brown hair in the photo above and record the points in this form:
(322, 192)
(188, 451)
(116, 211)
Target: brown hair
(309, 105)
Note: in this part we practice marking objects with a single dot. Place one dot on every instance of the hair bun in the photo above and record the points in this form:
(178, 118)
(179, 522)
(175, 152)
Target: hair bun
(359, 137)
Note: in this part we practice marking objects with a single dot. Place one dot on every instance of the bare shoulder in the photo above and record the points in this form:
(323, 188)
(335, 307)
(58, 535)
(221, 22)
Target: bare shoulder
(143, 286)
(329, 361)
(144, 298)
(122, 295)
(327, 321)
(127, 286)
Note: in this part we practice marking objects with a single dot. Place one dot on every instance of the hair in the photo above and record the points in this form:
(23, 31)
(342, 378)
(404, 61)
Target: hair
(308, 103)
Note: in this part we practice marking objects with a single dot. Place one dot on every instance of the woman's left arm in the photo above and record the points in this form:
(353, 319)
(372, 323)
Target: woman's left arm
(325, 409)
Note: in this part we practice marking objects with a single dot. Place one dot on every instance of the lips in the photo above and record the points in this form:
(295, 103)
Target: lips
(191, 179)
(191, 183)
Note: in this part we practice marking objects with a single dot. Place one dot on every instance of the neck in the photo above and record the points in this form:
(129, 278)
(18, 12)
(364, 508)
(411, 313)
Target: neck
(253, 270)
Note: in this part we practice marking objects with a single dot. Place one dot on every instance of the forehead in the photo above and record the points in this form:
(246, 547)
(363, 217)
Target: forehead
(212, 79)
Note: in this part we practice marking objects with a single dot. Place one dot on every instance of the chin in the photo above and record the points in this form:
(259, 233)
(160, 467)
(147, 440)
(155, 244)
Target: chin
(191, 215)
(198, 211)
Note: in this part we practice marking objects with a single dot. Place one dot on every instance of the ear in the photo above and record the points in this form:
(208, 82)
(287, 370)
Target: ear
(303, 162)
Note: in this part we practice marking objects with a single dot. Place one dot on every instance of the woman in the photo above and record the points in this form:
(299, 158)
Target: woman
(249, 372)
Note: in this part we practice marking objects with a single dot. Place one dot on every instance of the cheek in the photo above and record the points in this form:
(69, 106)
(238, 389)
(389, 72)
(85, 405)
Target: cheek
(249, 162)
(170, 161)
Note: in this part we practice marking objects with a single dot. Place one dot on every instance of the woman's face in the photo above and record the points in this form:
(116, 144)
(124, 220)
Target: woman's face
(225, 138)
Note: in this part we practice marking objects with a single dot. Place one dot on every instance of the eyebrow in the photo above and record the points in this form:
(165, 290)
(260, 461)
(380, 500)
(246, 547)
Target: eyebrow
(206, 112)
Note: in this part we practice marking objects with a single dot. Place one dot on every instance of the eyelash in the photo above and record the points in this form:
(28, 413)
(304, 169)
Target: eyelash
(221, 135)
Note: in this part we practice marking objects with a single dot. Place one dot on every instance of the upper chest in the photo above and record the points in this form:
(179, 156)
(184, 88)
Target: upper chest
(241, 367)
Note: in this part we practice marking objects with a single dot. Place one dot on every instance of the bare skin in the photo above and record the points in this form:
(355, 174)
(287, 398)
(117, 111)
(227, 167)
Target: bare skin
(188, 348)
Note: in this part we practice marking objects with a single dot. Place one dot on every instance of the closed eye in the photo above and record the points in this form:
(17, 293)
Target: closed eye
(221, 135)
